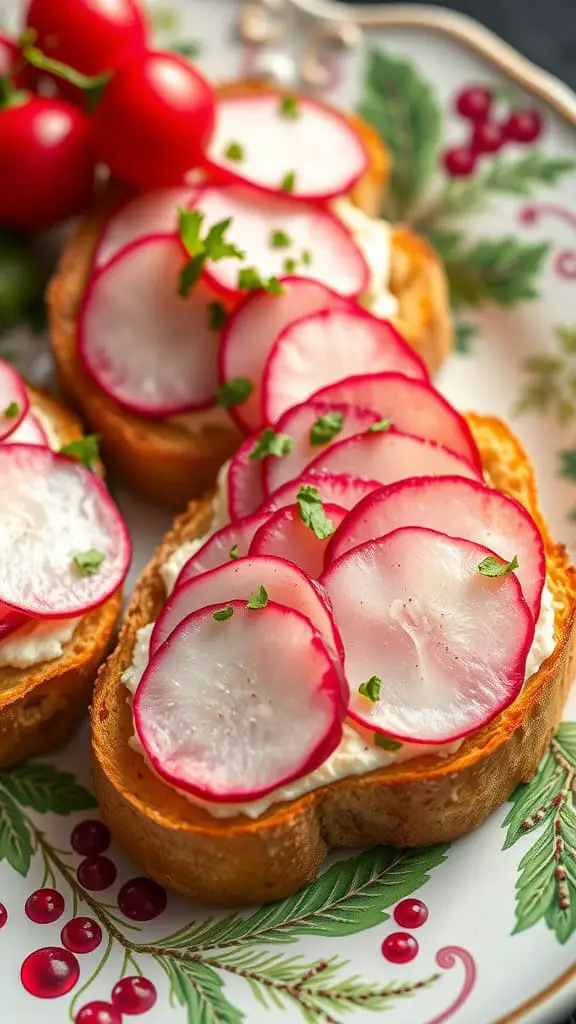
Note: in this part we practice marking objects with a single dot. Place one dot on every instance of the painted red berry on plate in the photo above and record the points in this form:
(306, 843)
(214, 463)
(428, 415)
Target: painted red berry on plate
(475, 103)
(134, 995)
(98, 1012)
(3, 915)
(524, 126)
(81, 935)
(96, 873)
(411, 913)
(460, 162)
(399, 948)
(49, 972)
(141, 899)
(44, 906)
(488, 137)
(90, 837)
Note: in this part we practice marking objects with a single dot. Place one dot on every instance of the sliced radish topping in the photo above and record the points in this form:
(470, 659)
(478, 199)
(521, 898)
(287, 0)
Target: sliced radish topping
(252, 330)
(329, 346)
(335, 488)
(10, 621)
(283, 581)
(285, 536)
(232, 708)
(142, 215)
(319, 243)
(460, 508)
(14, 402)
(30, 431)
(440, 648)
(313, 427)
(60, 528)
(147, 347)
(245, 481)
(257, 142)
(391, 456)
(232, 541)
(413, 406)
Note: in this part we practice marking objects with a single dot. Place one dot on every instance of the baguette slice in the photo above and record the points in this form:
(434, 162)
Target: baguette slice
(165, 463)
(417, 803)
(41, 706)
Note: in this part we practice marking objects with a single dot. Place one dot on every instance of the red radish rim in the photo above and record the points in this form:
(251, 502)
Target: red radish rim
(215, 538)
(333, 681)
(427, 385)
(20, 397)
(113, 212)
(133, 407)
(123, 531)
(10, 621)
(236, 461)
(228, 174)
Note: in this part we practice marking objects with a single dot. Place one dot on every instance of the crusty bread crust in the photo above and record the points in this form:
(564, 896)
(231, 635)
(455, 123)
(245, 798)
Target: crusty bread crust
(163, 462)
(417, 803)
(40, 707)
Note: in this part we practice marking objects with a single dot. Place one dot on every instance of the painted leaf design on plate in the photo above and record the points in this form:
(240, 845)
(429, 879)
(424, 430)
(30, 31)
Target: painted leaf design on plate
(550, 380)
(568, 463)
(15, 839)
(464, 336)
(546, 885)
(404, 110)
(44, 787)
(197, 987)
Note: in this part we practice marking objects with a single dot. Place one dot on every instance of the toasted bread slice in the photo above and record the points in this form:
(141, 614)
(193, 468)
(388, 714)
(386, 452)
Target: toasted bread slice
(415, 803)
(167, 464)
(41, 706)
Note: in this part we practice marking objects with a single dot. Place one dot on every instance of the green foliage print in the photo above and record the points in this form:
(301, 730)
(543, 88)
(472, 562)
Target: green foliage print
(545, 807)
(550, 380)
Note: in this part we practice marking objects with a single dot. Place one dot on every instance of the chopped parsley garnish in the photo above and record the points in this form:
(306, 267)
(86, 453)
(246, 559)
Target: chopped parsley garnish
(371, 688)
(214, 246)
(288, 181)
(88, 562)
(493, 566)
(386, 742)
(234, 151)
(233, 553)
(312, 512)
(84, 450)
(249, 280)
(289, 265)
(223, 613)
(306, 257)
(326, 427)
(380, 427)
(11, 411)
(234, 392)
(279, 240)
(217, 316)
(258, 600)
(289, 108)
(271, 443)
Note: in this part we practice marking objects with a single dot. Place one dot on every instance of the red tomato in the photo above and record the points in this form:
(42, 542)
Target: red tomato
(88, 35)
(46, 163)
(154, 120)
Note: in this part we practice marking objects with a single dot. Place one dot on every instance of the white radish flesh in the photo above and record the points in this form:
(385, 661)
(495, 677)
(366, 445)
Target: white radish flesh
(30, 431)
(147, 213)
(236, 537)
(14, 402)
(317, 145)
(327, 347)
(337, 488)
(230, 710)
(459, 508)
(284, 535)
(148, 348)
(52, 512)
(448, 645)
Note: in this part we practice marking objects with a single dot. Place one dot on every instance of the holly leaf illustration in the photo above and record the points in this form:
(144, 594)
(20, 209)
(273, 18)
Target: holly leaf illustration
(15, 839)
(404, 110)
(465, 334)
(568, 464)
(500, 270)
(198, 988)
(45, 788)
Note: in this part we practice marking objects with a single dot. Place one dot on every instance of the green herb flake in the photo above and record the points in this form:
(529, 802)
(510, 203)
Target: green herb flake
(371, 689)
(84, 450)
(289, 108)
(11, 411)
(234, 392)
(217, 316)
(258, 600)
(249, 280)
(214, 246)
(288, 182)
(271, 443)
(223, 613)
(234, 151)
(326, 427)
(88, 562)
(312, 512)
(380, 427)
(289, 265)
(233, 553)
(306, 257)
(493, 566)
(279, 240)
(386, 742)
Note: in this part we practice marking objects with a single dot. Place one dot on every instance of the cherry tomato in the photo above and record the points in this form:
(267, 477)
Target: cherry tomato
(154, 120)
(46, 163)
(88, 35)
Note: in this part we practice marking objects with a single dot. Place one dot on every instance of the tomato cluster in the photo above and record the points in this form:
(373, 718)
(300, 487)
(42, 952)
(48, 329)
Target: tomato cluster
(475, 105)
(147, 115)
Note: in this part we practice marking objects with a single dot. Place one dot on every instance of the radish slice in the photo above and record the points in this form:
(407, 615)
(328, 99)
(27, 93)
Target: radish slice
(285, 536)
(142, 215)
(335, 258)
(448, 645)
(245, 481)
(329, 346)
(147, 347)
(235, 537)
(392, 456)
(318, 146)
(303, 424)
(30, 431)
(335, 488)
(252, 330)
(411, 405)
(283, 581)
(217, 722)
(460, 508)
(55, 514)
(10, 621)
(14, 401)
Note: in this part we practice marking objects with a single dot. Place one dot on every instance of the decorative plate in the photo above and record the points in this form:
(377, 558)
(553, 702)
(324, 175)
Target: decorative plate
(480, 932)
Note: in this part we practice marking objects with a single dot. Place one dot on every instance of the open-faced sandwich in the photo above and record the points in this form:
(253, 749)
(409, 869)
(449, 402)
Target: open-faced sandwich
(156, 324)
(64, 554)
(365, 637)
